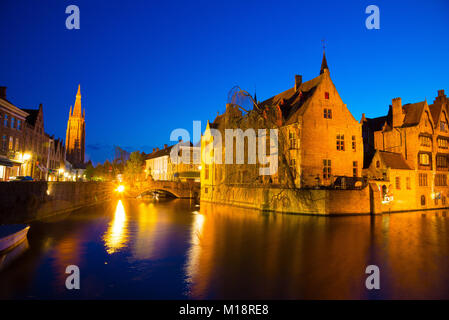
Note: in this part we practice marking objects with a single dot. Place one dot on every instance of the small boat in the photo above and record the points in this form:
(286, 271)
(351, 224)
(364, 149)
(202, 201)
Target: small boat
(12, 235)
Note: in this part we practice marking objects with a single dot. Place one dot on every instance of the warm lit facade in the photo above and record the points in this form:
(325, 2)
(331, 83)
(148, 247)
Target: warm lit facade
(320, 142)
(76, 133)
(159, 167)
(12, 121)
(419, 134)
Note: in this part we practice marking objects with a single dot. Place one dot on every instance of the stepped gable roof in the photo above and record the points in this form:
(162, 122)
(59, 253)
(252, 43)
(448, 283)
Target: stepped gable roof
(394, 160)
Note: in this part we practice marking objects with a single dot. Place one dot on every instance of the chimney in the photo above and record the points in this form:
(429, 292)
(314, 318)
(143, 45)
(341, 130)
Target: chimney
(3, 92)
(298, 81)
(398, 116)
(157, 149)
(154, 149)
(441, 93)
(165, 146)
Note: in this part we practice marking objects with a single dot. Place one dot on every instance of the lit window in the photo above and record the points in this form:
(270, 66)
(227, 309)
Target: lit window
(377, 164)
(424, 159)
(354, 145)
(11, 143)
(443, 126)
(398, 183)
(407, 181)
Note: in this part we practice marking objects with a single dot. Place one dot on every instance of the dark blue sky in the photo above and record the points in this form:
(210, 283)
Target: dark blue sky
(148, 67)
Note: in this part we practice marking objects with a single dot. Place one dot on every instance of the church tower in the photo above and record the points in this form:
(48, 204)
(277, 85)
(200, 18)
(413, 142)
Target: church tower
(76, 135)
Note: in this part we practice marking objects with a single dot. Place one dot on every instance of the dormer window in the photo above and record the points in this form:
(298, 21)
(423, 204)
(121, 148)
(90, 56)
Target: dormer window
(443, 126)
(326, 95)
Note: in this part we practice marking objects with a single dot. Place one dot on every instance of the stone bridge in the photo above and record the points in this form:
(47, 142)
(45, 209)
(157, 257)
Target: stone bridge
(177, 189)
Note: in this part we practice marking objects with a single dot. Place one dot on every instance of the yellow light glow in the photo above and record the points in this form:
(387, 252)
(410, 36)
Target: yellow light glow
(26, 157)
(116, 236)
(120, 188)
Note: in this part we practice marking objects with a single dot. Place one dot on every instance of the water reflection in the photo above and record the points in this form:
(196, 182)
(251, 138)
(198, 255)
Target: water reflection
(196, 237)
(174, 250)
(116, 236)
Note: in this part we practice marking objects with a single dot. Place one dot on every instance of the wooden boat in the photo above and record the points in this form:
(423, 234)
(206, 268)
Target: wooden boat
(12, 235)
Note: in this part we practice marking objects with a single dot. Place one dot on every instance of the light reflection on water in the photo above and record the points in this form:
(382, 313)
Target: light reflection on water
(175, 250)
(117, 235)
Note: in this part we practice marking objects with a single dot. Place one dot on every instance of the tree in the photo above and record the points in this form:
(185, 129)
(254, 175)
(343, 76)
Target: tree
(134, 167)
(90, 171)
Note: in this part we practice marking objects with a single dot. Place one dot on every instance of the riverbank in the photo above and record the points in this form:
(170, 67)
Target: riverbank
(22, 202)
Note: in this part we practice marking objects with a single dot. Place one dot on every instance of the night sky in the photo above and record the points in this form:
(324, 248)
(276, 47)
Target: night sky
(148, 67)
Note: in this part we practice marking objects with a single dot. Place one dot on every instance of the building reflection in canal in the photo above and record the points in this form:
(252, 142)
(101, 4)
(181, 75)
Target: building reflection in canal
(174, 250)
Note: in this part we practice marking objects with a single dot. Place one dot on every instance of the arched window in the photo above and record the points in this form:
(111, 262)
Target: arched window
(423, 200)
(377, 164)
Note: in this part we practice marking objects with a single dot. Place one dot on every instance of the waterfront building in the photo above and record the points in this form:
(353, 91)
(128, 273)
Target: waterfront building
(320, 143)
(416, 135)
(160, 167)
(76, 133)
(12, 156)
(37, 144)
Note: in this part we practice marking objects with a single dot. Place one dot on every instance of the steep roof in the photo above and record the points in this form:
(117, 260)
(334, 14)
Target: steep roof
(413, 112)
(291, 100)
(394, 160)
(33, 113)
(376, 124)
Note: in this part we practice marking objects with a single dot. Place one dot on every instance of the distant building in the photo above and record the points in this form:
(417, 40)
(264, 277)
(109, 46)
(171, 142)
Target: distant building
(407, 153)
(76, 133)
(12, 119)
(159, 166)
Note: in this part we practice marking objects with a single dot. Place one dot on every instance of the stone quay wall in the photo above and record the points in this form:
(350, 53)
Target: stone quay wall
(22, 202)
(298, 201)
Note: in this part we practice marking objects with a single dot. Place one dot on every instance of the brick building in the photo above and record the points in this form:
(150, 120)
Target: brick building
(320, 142)
(12, 121)
(418, 135)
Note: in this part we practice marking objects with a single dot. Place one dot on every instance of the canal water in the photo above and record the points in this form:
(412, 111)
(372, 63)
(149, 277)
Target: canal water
(176, 250)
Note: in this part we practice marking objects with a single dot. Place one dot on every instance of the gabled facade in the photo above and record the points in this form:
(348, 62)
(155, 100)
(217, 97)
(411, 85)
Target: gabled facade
(319, 139)
(419, 132)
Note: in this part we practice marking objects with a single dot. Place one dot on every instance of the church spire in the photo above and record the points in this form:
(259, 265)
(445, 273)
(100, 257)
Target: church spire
(77, 107)
(324, 64)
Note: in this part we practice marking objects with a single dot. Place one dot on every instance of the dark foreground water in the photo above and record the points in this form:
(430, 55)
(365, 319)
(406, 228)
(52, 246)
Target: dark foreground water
(175, 250)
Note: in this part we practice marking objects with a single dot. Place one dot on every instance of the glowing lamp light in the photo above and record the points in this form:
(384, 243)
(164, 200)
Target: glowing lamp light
(120, 188)
(26, 157)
